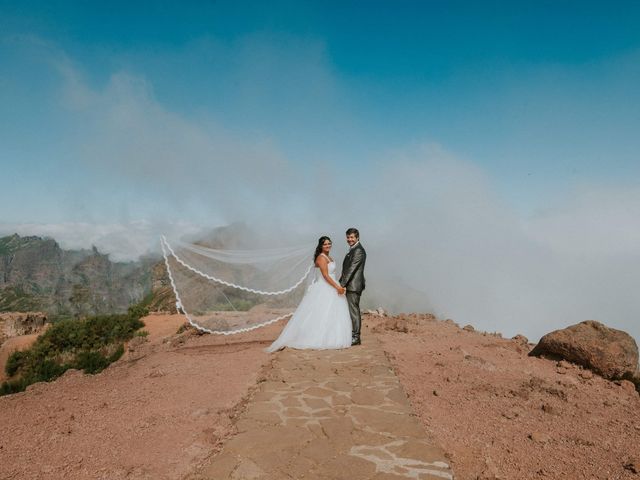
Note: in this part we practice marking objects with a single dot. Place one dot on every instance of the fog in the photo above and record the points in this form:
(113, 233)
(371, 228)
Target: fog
(439, 239)
(439, 234)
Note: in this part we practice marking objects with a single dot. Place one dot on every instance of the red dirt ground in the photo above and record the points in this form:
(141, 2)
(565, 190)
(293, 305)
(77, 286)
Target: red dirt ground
(166, 406)
(501, 414)
(155, 414)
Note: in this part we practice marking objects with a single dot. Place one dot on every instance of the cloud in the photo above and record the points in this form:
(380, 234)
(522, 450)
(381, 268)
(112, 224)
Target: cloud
(122, 241)
(592, 219)
(440, 239)
(439, 235)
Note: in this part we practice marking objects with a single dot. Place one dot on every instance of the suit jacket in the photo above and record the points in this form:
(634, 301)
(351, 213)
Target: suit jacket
(352, 277)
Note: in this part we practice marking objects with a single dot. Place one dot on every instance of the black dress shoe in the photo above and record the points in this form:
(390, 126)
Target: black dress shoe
(355, 341)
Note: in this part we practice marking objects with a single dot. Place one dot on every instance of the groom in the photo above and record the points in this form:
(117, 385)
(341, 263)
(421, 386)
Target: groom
(352, 279)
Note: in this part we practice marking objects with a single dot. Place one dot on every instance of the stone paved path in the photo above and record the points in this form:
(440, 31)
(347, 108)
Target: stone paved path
(337, 414)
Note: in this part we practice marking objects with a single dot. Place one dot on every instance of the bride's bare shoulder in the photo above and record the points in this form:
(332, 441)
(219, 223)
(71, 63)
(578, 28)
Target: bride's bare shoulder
(321, 260)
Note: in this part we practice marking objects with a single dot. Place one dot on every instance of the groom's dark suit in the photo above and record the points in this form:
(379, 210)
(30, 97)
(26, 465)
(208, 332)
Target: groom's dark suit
(352, 279)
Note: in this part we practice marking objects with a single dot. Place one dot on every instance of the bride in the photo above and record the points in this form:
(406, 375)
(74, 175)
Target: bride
(322, 318)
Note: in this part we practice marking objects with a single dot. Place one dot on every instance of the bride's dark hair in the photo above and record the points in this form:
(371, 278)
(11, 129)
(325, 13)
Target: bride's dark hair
(321, 241)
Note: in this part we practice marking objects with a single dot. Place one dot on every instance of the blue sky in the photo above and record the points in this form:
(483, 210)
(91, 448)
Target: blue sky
(539, 94)
(497, 142)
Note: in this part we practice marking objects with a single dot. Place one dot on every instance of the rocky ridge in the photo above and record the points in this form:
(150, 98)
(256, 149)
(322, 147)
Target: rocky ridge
(37, 274)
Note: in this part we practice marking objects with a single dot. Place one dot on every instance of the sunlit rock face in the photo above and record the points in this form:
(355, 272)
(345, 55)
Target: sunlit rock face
(14, 324)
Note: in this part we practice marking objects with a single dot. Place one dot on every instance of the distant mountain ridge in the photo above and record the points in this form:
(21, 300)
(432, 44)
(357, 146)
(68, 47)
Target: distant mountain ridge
(37, 274)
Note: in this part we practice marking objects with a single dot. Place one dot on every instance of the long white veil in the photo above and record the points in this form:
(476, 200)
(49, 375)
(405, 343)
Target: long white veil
(228, 291)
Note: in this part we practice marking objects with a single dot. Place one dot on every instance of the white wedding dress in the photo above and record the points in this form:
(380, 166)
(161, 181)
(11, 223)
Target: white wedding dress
(321, 320)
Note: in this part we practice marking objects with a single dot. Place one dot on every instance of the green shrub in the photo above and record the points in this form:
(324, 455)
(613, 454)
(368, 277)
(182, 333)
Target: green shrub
(91, 362)
(47, 370)
(14, 386)
(117, 354)
(138, 311)
(15, 362)
(82, 344)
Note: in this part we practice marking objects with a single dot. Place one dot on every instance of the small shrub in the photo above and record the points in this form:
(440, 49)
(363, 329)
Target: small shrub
(117, 354)
(89, 344)
(138, 311)
(184, 327)
(47, 370)
(15, 362)
(91, 362)
(14, 386)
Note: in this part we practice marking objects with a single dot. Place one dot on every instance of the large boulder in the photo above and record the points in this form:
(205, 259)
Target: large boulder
(609, 352)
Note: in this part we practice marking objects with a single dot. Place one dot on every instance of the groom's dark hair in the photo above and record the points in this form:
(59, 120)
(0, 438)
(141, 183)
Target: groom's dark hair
(354, 231)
